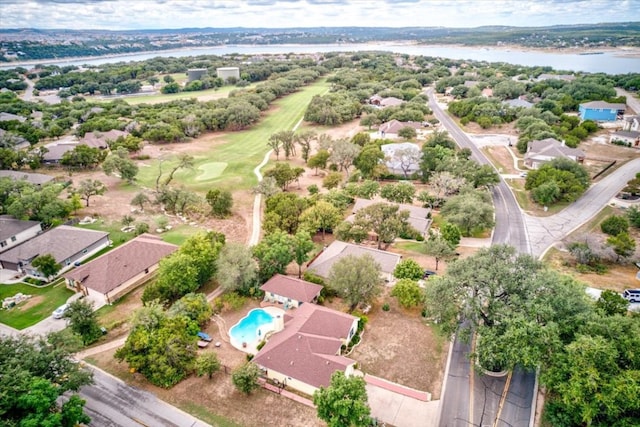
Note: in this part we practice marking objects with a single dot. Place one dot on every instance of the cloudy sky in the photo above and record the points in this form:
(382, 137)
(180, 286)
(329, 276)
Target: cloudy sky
(143, 14)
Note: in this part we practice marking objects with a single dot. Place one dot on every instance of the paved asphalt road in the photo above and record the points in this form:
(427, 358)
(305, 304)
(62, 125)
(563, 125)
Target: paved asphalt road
(461, 407)
(544, 231)
(112, 403)
(510, 227)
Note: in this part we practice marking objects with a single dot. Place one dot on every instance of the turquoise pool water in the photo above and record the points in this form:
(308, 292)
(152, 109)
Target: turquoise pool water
(248, 329)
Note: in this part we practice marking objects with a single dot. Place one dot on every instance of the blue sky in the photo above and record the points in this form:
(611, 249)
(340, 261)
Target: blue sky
(142, 14)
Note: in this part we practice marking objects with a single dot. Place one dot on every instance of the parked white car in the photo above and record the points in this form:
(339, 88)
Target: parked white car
(59, 312)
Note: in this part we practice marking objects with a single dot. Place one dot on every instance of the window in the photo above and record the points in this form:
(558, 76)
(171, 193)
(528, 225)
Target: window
(146, 271)
(3, 244)
(84, 251)
(13, 239)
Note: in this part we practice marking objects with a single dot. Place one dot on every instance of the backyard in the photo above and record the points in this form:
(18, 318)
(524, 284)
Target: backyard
(44, 299)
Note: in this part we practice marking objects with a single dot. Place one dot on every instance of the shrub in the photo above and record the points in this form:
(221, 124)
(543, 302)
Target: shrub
(408, 293)
(385, 307)
(313, 189)
(408, 269)
(614, 225)
(233, 300)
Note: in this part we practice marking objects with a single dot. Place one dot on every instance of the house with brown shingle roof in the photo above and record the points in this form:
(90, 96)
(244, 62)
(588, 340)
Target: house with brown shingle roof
(545, 150)
(66, 244)
(321, 265)
(306, 352)
(290, 291)
(121, 270)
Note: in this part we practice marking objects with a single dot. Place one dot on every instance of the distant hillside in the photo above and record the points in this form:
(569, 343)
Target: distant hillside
(34, 44)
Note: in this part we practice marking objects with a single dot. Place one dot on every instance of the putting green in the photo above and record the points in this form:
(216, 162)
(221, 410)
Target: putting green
(210, 170)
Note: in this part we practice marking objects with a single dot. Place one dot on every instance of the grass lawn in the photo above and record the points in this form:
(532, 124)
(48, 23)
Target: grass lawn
(38, 307)
(113, 228)
(417, 247)
(230, 163)
(179, 234)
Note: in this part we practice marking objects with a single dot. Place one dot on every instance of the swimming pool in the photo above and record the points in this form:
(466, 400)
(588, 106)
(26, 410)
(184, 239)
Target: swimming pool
(251, 329)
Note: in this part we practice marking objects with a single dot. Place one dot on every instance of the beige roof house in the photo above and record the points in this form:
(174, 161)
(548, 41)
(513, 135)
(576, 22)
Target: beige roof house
(337, 250)
(101, 139)
(542, 151)
(306, 352)
(290, 291)
(117, 272)
(33, 178)
(65, 243)
(417, 215)
(14, 231)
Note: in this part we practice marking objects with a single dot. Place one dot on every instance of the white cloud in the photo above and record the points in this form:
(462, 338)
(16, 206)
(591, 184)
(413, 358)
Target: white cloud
(140, 14)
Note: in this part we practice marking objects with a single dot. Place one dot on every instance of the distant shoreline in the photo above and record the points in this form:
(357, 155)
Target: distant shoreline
(623, 51)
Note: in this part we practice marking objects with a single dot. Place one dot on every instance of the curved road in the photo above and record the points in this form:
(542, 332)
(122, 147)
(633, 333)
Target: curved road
(471, 399)
(510, 227)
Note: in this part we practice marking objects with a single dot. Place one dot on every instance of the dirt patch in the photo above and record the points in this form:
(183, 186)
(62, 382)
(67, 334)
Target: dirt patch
(31, 302)
(398, 346)
(501, 159)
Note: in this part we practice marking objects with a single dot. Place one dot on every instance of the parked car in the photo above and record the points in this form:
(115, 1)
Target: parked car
(59, 312)
(428, 273)
(632, 295)
(204, 337)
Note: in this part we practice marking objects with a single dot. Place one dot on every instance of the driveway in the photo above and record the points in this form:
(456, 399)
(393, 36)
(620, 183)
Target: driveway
(393, 404)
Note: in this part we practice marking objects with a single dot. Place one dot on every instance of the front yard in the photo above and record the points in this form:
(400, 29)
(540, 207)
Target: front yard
(42, 303)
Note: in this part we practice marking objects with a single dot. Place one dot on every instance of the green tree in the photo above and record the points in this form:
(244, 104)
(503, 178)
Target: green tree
(47, 265)
(82, 157)
(283, 212)
(633, 213)
(35, 374)
(407, 132)
(344, 403)
(302, 246)
(236, 269)
(611, 303)
(451, 233)
(203, 249)
(245, 378)
(141, 228)
(185, 161)
(273, 253)
(304, 139)
(89, 188)
(284, 174)
(614, 225)
(547, 193)
(623, 245)
(83, 321)
(193, 306)
(408, 269)
(319, 160)
(332, 180)
(321, 216)
(161, 347)
(469, 211)
(177, 276)
(383, 219)
(408, 293)
(119, 161)
(207, 363)
(356, 279)
(140, 199)
(267, 187)
(402, 192)
(220, 201)
(368, 159)
(439, 248)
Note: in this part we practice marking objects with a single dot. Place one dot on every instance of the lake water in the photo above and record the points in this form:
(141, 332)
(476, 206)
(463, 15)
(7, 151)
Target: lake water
(606, 62)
